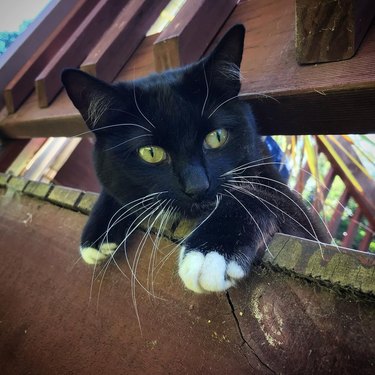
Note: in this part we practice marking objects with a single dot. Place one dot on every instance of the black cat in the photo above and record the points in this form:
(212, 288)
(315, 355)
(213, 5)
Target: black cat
(181, 143)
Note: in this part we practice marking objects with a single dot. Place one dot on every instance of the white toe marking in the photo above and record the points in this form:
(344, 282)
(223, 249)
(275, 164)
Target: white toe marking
(94, 256)
(208, 273)
(212, 276)
(189, 270)
(235, 271)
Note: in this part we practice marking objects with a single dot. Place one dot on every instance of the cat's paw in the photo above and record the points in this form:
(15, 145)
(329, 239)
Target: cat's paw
(208, 273)
(91, 255)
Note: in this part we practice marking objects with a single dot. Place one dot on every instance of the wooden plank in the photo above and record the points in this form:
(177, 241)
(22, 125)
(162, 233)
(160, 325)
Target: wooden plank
(26, 44)
(187, 37)
(76, 48)
(271, 323)
(330, 30)
(334, 224)
(352, 228)
(22, 84)
(125, 34)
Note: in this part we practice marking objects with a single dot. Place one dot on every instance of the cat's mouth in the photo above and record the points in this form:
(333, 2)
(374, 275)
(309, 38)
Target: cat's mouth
(196, 209)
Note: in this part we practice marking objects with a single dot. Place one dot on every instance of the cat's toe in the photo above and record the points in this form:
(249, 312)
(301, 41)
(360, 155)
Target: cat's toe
(94, 256)
(208, 273)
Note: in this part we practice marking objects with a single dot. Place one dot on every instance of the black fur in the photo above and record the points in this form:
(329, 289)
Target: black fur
(175, 110)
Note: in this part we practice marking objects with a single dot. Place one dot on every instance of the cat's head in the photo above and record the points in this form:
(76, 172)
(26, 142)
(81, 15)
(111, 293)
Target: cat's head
(176, 132)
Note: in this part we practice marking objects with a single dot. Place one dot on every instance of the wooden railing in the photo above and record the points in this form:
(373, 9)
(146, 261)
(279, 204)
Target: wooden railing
(363, 195)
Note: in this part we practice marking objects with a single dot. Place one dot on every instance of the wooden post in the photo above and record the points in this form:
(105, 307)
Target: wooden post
(330, 30)
(187, 37)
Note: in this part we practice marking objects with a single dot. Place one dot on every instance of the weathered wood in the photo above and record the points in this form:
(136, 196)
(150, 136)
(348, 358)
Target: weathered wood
(187, 37)
(22, 84)
(271, 323)
(76, 48)
(121, 39)
(330, 30)
(26, 43)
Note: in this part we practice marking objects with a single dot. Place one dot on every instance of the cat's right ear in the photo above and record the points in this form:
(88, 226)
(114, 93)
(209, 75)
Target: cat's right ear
(90, 95)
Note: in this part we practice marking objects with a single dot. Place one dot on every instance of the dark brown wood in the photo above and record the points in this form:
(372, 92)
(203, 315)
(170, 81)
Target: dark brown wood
(272, 323)
(187, 37)
(78, 170)
(122, 38)
(22, 83)
(26, 43)
(76, 48)
(302, 178)
(352, 229)
(330, 30)
(366, 240)
(9, 150)
(334, 224)
(322, 191)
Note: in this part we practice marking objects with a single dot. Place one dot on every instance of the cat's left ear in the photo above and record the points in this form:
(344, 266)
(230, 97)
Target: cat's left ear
(223, 63)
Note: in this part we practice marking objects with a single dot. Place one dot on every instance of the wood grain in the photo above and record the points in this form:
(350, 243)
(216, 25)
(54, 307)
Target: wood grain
(330, 30)
(187, 37)
(25, 45)
(22, 84)
(122, 38)
(271, 323)
(76, 48)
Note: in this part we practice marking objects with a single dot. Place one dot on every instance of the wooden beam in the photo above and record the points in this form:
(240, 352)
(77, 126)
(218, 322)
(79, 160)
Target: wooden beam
(331, 30)
(22, 84)
(187, 37)
(122, 38)
(28, 42)
(76, 48)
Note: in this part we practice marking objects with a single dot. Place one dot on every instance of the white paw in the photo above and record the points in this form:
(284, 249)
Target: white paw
(94, 256)
(208, 273)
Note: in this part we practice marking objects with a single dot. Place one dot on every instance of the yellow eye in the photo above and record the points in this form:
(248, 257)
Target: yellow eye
(216, 139)
(152, 154)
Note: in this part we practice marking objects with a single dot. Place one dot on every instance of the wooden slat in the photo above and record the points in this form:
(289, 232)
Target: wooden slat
(25, 45)
(76, 48)
(302, 178)
(122, 38)
(187, 37)
(22, 83)
(330, 30)
(352, 229)
(334, 224)
(366, 240)
(322, 191)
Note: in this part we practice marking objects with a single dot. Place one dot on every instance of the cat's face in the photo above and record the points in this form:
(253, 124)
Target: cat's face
(175, 133)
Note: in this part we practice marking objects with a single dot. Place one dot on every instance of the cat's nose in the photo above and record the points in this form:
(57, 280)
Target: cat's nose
(195, 181)
(196, 189)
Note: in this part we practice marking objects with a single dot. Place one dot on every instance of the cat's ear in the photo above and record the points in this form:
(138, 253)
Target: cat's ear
(90, 95)
(223, 63)
(230, 47)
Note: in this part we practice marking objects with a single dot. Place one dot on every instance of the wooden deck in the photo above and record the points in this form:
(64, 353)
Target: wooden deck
(296, 313)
